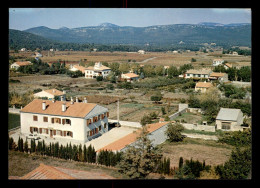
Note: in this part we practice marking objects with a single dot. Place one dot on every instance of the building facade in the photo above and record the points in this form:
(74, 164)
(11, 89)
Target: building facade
(229, 119)
(203, 86)
(217, 62)
(71, 120)
(51, 94)
(129, 77)
(16, 65)
(193, 73)
(97, 70)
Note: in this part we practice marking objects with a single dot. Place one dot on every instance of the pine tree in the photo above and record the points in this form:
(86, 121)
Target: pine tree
(140, 160)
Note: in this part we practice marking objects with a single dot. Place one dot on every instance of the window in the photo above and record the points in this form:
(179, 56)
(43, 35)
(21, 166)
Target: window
(88, 133)
(59, 132)
(98, 117)
(35, 129)
(99, 128)
(45, 119)
(188, 74)
(105, 125)
(35, 118)
(225, 125)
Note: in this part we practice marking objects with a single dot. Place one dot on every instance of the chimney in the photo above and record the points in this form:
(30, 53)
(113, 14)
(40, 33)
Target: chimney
(43, 105)
(63, 107)
(77, 99)
(85, 100)
(71, 99)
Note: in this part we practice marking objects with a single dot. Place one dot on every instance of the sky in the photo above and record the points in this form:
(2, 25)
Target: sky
(25, 18)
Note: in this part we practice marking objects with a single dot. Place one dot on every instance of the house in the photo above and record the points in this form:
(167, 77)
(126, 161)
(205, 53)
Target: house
(51, 50)
(234, 53)
(141, 52)
(37, 54)
(78, 68)
(97, 70)
(227, 65)
(18, 64)
(155, 133)
(222, 77)
(80, 121)
(203, 86)
(129, 77)
(51, 94)
(175, 51)
(217, 62)
(23, 50)
(229, 119)
(193, 73)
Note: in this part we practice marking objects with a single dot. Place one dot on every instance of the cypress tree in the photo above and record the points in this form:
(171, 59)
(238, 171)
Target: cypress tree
(61, 151)
(85, 153)
(80, 153)
(168, 166)
(70, 152)
(75, 153)
(52, 149)
(43, 148)
(11, 141)
(180, 163)
(19, 145)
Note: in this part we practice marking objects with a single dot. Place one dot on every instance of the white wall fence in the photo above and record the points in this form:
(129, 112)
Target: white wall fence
(191, 126)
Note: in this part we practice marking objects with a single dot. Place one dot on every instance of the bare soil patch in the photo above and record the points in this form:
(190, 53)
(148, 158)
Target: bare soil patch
(212, 152)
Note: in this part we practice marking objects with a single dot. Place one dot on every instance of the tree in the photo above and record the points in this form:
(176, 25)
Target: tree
(140, 159)
(159, 70)
(173, 132)
(244, 74)
(173, 71)
(180, 162)
(146, 119)
(124, 67)
(163, 110)
(238, 166)
(157, 96)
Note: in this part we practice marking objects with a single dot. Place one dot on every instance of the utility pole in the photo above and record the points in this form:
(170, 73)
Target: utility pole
(118, 112)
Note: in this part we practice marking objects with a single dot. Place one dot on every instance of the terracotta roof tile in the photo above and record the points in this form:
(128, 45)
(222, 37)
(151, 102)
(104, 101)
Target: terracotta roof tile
(217, 74)
(54, 92)
(204, 84)
(202, 71)
(46, 172)
(131, 75)
(73, 110)
(130, 138)
(81, 68)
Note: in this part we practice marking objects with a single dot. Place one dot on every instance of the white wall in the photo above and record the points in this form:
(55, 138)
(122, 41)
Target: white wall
(77, 126)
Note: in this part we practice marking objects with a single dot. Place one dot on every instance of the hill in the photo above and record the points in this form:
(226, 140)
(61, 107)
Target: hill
(20, 39)
(193, 34)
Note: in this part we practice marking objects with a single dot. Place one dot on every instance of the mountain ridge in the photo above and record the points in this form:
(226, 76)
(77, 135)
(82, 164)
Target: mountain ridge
(107, 33)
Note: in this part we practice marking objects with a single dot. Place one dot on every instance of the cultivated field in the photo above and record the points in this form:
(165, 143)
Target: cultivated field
(152, 58)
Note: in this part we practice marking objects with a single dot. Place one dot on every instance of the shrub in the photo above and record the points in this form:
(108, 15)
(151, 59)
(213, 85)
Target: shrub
(173, 132)
(99, 78)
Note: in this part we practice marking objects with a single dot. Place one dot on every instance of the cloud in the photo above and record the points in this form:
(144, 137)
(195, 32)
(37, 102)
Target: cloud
(231, 10)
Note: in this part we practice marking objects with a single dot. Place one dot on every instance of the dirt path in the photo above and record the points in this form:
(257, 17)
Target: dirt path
(146, 60)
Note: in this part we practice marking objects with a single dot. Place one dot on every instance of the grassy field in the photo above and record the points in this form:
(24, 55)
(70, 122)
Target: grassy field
(13, 121)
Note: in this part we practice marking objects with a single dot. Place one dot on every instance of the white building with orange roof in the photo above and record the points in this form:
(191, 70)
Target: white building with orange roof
(97, 70)
(78, 68)
(203, 86)
(155, 134)
(51, 94)
(223, 77)
(129, 77)
(18, 64)
(217, 62)
(77, 121)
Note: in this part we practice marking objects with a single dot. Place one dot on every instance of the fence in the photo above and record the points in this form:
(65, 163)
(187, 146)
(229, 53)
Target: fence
(199, 127)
